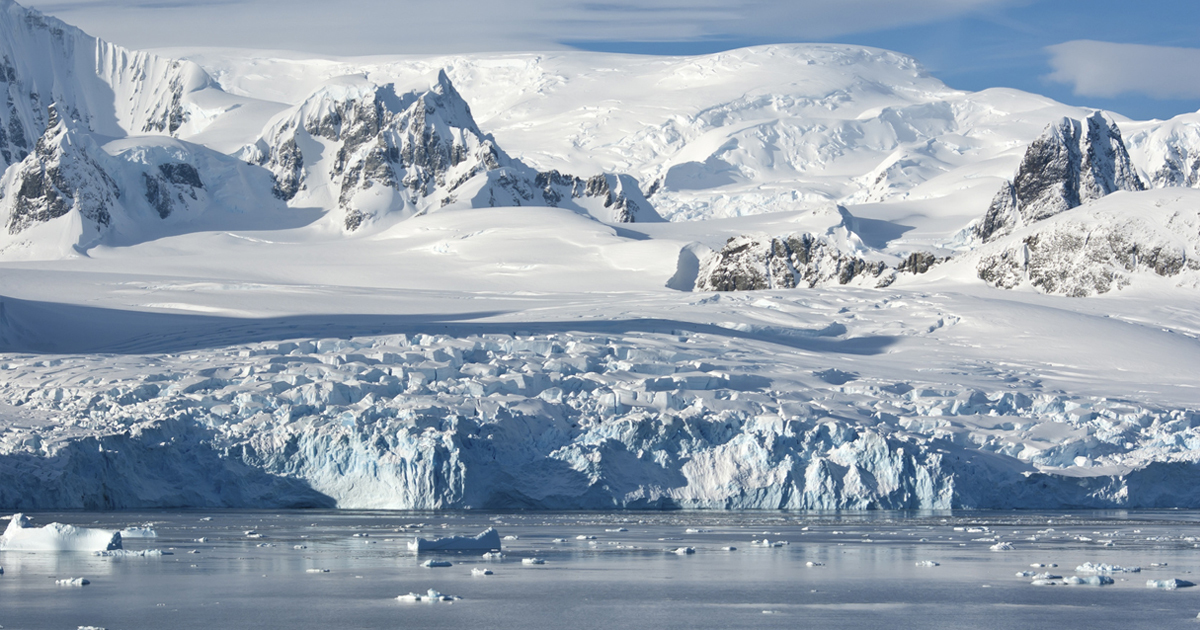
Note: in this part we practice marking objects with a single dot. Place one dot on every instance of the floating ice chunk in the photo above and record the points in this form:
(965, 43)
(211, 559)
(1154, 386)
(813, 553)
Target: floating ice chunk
(617, 530)
(73, 582)
(19, 536)
(532, 561)
(130, 553)
(1024, 574)
(767, 543)
(1047, 576)
(684, 551)
(728, 548)
(317, 571)
(430, 564)
(1001, 546)
(486, 540)
(820, 564)
(585, 537)
(139, 532)
(430, 596)
(1038, 565)
(1168, 585)
(493, 555)
(559, 540)
(928, 563)
(478, 572)
(85, 628)
(1088, 567)
(1044, 583)
(511, 537)
(201, 540)
(1091, 580)
(299, 547)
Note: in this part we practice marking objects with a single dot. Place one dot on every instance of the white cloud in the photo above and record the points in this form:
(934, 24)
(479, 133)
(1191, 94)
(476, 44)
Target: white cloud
(379, 26)
(1105, 69)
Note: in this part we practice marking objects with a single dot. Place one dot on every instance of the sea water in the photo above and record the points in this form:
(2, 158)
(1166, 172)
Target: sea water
(326, 569)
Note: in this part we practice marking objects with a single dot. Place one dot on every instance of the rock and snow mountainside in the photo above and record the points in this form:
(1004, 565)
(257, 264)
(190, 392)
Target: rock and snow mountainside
(409, 153)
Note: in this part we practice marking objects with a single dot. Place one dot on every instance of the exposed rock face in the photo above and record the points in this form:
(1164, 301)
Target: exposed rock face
(61, 175)
(797, 260)
(1094, 251)
(169, 185)
(1071, 163)
(411, 153)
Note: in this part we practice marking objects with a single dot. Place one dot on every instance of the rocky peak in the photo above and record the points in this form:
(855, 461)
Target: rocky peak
(60, 176)
(1071, 163)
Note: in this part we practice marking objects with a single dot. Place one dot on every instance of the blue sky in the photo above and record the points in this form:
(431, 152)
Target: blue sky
(1076, 51)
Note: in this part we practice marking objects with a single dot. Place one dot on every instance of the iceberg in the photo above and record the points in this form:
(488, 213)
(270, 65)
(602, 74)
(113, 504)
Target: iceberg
(19, 536)
(1168, 585)
(487, 540)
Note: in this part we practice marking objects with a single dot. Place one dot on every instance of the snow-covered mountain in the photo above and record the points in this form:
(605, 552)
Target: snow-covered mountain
(243, 278)
(402, 154)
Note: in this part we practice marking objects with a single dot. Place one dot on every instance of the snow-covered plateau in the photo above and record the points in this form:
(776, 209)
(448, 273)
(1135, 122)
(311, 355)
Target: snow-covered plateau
(781, 277)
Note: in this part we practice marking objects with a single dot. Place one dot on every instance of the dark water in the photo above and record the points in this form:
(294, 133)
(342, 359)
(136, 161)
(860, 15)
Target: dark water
(869, 578)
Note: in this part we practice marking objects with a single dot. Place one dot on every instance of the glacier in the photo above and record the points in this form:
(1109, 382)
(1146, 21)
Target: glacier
(788, 277)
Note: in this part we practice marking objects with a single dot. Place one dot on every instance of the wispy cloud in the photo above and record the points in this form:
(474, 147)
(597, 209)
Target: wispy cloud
(377, 26)
(1104, 69)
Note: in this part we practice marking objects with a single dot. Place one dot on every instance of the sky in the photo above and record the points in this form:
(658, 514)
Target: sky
(1139, 59)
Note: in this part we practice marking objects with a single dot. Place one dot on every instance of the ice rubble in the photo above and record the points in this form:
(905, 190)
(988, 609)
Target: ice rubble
(487, 540)
(429, 596)
(19, 536)
(73, 582)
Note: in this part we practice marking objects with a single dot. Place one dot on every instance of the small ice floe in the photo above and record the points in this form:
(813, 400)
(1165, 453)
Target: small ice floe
(493, 555)
(486, 540)
(194, 551)
(532, 561)
(1038, 565)
(559, 540)
(1158, 564)
(1088, 567)
(1047, 576)
(1023, 574)
(73, 582)
(1168, 585)
(202, 540)
(206, 519)
(616, 530)
(1044, 583)
(1001, 546)
(511, 537)
(139, 532)
(479, 572)
(819, 564)
(299, 547)
(85, 628)
(928, 563)
(585, 537)
(1091, 580)
(317, 571)
(684, 551)
(767, 543)
(729, 548)
(250, 533)
(129, 553)
(19, 536)
(1, 570)
(430, 596)
(431, 564)
(695, 530)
